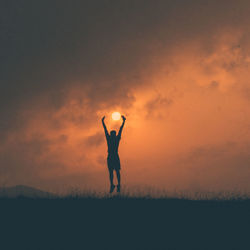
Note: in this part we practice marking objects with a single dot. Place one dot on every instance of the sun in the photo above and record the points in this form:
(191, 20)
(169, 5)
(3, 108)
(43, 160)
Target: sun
(116, 116)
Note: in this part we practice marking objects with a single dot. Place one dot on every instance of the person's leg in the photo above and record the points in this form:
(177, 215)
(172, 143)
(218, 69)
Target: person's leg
(111, 177)
(118, 179)
(118, 176)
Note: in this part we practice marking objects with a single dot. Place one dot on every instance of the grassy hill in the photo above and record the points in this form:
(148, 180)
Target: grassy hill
(124, 223)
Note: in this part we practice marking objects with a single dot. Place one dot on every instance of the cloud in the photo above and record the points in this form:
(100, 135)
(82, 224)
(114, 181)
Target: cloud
(95, 140)
(156, 104)
(178, 70)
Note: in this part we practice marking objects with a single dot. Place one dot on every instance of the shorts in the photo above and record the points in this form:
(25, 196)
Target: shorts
(113, 162)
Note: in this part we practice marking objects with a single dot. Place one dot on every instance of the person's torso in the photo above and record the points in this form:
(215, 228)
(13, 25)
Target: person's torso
(113, 144)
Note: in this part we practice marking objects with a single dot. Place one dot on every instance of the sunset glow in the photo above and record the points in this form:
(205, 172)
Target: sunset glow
(178, 71)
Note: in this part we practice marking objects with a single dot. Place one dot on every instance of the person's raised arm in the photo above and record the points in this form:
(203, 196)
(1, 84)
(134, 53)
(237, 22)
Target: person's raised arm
(105, 128)
(120, 130)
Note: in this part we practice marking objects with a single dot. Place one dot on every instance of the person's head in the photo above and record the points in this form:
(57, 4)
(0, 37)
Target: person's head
(112, 133)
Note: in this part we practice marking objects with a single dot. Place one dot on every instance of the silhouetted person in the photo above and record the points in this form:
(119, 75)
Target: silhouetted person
(113, 159)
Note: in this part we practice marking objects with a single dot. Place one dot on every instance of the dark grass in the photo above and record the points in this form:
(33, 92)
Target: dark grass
(123, 222)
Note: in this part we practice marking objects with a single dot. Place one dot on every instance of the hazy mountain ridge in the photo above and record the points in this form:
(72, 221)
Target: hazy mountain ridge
(23, 191)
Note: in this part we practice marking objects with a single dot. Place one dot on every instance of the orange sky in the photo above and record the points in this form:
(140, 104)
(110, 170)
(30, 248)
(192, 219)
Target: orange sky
(182, 84)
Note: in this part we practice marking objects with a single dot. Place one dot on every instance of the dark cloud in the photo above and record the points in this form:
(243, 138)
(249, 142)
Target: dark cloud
(155, 106)
(211, 152)
(214, 84)
(19, 158)
(94, 140)
(49, 46)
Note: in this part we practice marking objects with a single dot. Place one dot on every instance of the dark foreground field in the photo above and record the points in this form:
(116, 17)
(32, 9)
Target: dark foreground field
(120, 223)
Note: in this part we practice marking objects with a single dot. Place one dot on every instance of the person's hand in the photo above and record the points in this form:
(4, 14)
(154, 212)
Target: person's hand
(123, 118)
(103, 118)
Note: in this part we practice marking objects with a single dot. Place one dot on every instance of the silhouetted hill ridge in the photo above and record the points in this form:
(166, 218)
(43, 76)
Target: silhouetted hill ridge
(23, 191)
